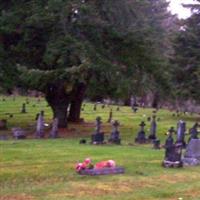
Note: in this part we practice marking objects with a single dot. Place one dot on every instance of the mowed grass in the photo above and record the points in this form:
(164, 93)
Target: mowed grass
(44, 169)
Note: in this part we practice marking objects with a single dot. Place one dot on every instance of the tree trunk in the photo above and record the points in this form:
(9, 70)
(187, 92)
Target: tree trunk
(58, 99)
(60, 112)
(76, 102)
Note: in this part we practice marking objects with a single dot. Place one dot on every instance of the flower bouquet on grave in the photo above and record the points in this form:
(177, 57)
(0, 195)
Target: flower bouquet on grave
(100, 168)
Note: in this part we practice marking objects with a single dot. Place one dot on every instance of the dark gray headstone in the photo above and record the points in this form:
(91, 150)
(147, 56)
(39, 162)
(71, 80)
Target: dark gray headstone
(170, 141)
(194, 132)
(173, 156)
(192, 154)
(23, 110)
(110, 116)
(141, 138)
(173, 152)
(98, 136)
(115, 135)
(181, 128)
(18, 133)
(156, 144)
(153, 129)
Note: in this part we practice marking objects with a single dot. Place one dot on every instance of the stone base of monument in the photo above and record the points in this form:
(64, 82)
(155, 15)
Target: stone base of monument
(156, 144)
(98, 138)
(170, 164)
(19, 133)
(192, 153)
(152, 137)
(114, 141)
(141, 141)
(103, 171)
(191, 161)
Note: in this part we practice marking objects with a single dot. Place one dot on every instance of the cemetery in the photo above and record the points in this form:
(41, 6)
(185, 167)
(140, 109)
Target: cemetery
(100, 100)
(41, 161)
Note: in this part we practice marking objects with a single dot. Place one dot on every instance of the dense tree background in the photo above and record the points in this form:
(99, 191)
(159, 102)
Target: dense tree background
(186, 58)
(100, 48)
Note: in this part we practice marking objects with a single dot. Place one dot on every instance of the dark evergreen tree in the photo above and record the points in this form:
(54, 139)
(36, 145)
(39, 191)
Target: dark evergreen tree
(187, 58)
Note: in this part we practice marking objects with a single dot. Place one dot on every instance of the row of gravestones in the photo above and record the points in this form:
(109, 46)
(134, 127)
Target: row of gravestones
(173, 150)
(134, 108)
(102, 107)
(98, 136)
(19, 133)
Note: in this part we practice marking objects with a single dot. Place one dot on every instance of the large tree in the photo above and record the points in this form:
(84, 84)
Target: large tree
(141, 49)
(59, 45)
(53, 44)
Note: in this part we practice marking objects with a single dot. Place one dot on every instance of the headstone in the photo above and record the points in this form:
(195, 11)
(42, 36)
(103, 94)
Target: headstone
(115, 135)
(194, 132)
(27, 101)
(3, 124)
(148, 119)
(141, 138)
(98, 136)
(173, 152)
(118, 109)
(42, 112)
(37, 116)
(156, 144)
(181, 128)
(170, 141)
(192, 154)
(23, 110)
(134, 109)
(110, 116)
(153, 129)
(54, 130)
(18, 133)
(40, 126)
(95, 107)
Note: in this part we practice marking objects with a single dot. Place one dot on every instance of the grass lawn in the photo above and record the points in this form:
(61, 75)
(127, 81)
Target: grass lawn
(44, 169)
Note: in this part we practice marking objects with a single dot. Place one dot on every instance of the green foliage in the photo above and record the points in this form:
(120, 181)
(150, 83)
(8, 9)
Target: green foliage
(123, 40)
(187, 58)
